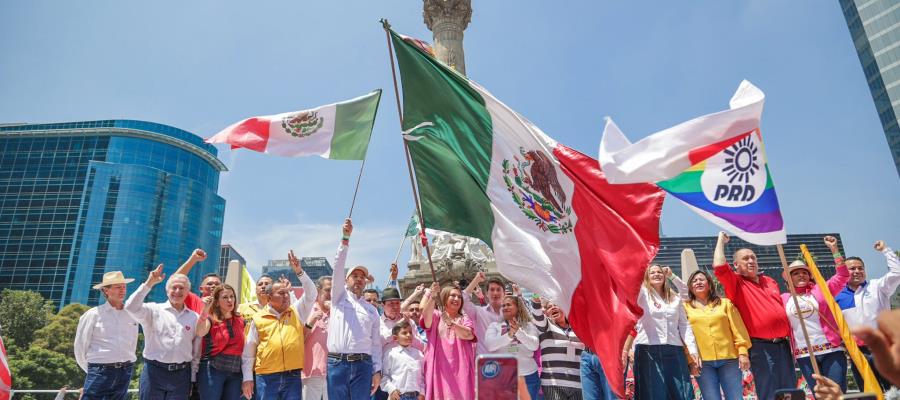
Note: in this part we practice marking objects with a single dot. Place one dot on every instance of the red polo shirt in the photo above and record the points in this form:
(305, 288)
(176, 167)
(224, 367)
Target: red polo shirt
(759, 303)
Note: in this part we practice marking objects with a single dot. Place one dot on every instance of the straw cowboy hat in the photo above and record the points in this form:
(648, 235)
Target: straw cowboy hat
(112, 278)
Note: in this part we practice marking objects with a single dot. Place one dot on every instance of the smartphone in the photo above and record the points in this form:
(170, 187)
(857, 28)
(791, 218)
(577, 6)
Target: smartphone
(860, 396)
(496, 377)
(790, 394)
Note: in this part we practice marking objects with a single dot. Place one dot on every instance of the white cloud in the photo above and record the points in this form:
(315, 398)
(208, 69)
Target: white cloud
(373, 247)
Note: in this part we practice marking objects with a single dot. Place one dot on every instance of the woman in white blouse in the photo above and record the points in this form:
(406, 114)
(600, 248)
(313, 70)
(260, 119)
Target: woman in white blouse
(660, 365)
(516, 335)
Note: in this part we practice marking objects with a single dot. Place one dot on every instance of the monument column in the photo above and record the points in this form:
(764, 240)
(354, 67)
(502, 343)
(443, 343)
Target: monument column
(447, 19)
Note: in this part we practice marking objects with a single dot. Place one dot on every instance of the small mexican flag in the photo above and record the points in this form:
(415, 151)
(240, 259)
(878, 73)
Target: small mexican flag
(554, 223)
(338, 131)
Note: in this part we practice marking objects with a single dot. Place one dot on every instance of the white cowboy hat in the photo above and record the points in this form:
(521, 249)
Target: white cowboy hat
(112, 278)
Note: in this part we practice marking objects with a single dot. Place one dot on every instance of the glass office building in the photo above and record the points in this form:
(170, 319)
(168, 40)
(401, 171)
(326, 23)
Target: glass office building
(875, 29)
(79, 199)
(767, 258)
(228, 254)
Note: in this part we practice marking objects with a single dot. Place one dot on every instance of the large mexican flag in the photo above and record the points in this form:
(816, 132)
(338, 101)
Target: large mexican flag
(555, 225)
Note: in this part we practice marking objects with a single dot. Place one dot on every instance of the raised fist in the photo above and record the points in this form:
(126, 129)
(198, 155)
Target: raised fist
(198, 255)
(394, 271)
(831, 242)
(880, 246)
(724, 237)
(348, 227)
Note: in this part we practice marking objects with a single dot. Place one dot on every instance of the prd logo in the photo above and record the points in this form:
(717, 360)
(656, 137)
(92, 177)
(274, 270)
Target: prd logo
(490, 369)
(737, 175)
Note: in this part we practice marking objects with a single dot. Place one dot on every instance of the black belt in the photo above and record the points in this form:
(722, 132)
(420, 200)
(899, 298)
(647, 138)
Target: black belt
(167, 366)
(773, 341)
(117, 365)
(350, 357)
(409, 394)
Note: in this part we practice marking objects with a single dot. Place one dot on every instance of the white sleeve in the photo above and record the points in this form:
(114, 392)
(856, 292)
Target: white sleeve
(891, 280)
(248, 357)
(681, 286)
(83, 335)
(376, 344)
(386, 383)
(527, 335)
(687, 333)
(135, 303)
(304, 304)
(493, 339)
(338, 286)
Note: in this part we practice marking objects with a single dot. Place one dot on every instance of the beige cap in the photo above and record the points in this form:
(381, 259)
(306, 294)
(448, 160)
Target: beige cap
(358, 267)
(112, 278)
(797, 265)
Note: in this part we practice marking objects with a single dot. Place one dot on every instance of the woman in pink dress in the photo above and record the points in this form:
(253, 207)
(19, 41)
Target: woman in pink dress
(450, 353)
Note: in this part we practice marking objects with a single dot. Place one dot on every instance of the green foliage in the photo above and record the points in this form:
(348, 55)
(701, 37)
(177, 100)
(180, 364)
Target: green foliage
(22, 313)
(39, 368)
(59, 333)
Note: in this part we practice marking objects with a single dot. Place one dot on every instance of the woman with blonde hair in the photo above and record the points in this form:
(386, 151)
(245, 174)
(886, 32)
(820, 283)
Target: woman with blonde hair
(450, 352)
(660, 367)
(721, 337)
(516, 335)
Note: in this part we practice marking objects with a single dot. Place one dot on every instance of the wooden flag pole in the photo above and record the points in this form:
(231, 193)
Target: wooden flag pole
(412, 180)
(790, 283)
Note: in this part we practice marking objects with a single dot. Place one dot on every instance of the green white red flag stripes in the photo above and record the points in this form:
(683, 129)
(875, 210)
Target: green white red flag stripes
(339, 131)
(555, 225)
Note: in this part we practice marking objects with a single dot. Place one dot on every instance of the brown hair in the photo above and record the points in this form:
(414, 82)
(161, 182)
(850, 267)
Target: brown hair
(214, 309)
(523, 316)
(713, 298)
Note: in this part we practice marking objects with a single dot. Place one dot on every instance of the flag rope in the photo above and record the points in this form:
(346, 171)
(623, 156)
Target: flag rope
(412, 180)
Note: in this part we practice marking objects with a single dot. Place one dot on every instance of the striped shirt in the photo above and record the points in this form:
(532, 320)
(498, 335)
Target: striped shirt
(560, 352)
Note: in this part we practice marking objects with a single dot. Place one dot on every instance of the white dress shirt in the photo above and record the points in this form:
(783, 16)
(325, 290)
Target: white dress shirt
(402, 370)
(305, 303)
(664, 322)
(483, 317)
(874, 296)
(523, 346)
(105, 336)
(168, 333)
(387, 334)
(354, 325)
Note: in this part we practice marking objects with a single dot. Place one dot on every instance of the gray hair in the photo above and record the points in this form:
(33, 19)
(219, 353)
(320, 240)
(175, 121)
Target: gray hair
(175, 277)
(321, 281)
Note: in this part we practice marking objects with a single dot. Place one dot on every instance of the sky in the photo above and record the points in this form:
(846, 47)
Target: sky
(202, 65)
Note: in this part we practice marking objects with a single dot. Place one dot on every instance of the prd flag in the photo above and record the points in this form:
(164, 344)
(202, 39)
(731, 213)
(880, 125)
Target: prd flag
(339, 131)
(715, 164)
(554, 223)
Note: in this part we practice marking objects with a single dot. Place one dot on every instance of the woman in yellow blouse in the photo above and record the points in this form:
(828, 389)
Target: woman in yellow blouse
(721, 337)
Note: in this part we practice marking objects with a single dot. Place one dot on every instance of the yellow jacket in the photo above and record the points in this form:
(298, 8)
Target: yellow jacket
(280, 344)
(719, 330)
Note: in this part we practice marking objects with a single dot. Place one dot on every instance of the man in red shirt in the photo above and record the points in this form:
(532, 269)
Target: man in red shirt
(758, 299)
(209, 282)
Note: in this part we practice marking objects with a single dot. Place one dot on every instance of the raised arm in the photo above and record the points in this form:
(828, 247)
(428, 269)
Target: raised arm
(203, 322)
(892, 279)
(415, 295)
(135, 303)
(537, 313)
(727, 277)
(304, 304)
(428, 305)
(678, 283)
(338, 285)
(196, 256)
(842, 275)
(392, 281)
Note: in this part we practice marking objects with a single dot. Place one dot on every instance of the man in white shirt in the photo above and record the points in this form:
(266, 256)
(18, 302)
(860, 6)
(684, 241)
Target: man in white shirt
(403, 376)
(487, 315)
(105, 342)
(862, 300)
(168, 337)
(354, 340)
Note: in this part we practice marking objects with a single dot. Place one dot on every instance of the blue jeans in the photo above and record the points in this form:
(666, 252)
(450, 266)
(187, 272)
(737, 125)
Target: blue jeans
(593, 380)
(349, 380)
(214, 384)
(772, 365)
(833, 365)
(721, 376)
(411, 396)
(533, 383)
(279, 386)
(107, 383)
(158, 383)
(661, 372)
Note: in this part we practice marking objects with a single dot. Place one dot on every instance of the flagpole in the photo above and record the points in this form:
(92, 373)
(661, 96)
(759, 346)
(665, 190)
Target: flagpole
(409, 168)
(356, 190)
(790, 284)
(397, 257)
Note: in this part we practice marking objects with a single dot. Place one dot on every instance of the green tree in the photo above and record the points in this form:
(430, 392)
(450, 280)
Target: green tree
(39, 368)
(59, 333)
(22, 313)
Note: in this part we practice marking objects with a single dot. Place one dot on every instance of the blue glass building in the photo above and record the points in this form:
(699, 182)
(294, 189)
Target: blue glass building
(79, 199)
(875, 29)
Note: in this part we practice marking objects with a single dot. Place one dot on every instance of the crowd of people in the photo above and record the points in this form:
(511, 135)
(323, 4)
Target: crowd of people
(340, 340)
